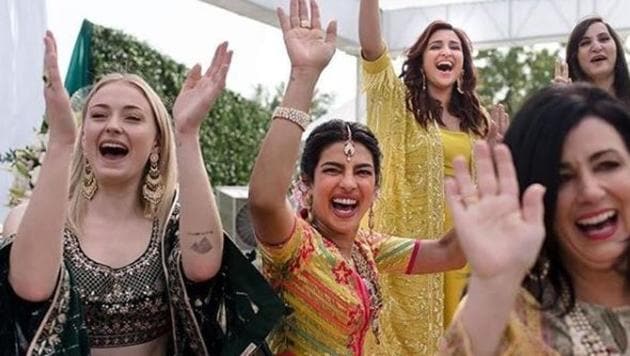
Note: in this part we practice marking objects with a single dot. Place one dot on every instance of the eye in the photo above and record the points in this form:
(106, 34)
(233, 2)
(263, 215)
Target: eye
(364, 172)
(584, 43)
(331, 170)
(97, 115)
(564, 177)
(455, 47)
(606, 166)
(134, 118)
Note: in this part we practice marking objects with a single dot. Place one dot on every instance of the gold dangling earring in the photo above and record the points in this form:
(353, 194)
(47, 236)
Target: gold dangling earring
(459, 83)
(371, 220)
(309, 207)
(152, 190)
(424, 80)
(89, 186)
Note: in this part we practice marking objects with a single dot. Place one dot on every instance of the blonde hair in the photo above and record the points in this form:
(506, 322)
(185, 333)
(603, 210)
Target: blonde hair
(167, 162)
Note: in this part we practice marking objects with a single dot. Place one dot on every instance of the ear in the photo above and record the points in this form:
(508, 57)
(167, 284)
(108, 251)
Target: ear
(82, 140)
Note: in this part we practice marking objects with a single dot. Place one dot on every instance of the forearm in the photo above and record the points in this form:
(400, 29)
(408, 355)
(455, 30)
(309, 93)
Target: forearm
(36, 253)
(370, 36)
(275, 164)
(201, 233)
(440, 255)
(486, 312)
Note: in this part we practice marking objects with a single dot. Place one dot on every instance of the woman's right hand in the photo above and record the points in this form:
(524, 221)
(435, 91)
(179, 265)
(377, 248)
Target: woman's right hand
(59, 114)
(561, 73)
(500, 235)
(308, 46)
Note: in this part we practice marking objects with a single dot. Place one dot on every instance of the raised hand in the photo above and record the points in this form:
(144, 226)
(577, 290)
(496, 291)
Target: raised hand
(498, 234)
(561, 73)
(58, 112)
(308, 46)
(499, 122)
(199, 92)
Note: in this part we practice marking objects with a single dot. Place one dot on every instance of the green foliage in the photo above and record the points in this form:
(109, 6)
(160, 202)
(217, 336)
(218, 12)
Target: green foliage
(319, 107)
(231, 135)
(509, 75)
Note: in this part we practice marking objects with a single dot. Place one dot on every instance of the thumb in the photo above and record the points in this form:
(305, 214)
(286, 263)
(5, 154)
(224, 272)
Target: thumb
(331, 32)
(533, 208)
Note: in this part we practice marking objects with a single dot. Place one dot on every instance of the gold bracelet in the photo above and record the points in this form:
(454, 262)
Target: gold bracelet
(296, 116)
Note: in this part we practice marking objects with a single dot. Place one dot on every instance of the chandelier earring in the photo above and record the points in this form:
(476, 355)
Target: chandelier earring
(88, 186)
(153, 189)
(424, 80)
(460, 80)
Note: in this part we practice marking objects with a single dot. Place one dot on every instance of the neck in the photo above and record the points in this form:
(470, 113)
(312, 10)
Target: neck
(443, 95)
(603, 287)
(116, 202)
(606, 83)
(343, 242)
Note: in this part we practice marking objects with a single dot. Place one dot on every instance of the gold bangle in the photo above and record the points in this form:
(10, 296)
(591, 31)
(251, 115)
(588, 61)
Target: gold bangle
(296, 116)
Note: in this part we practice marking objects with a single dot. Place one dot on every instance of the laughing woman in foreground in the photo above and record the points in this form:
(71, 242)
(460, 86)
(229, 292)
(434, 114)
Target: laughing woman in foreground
(325, 268)
(571, 295)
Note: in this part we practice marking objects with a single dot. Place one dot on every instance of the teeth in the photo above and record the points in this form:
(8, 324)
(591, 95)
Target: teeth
(598, 219)
(113, 145)
(344, 201)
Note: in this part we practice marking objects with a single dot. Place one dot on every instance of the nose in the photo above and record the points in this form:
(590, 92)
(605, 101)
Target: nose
(113, 126)
(596, 46)
(348, 182)
(591, 190)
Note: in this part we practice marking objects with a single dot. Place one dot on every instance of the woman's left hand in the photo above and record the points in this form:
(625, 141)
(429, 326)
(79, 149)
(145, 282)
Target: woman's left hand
(499, 122)
(199, 92)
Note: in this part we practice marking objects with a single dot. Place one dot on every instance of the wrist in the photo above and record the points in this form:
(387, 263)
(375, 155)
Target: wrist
(305, 74)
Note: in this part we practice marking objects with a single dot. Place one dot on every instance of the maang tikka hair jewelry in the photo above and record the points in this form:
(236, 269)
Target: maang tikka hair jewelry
(348, 148)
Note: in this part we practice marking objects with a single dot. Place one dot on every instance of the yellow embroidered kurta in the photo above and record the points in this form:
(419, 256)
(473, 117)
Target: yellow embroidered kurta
(411, 204)
(329, 301)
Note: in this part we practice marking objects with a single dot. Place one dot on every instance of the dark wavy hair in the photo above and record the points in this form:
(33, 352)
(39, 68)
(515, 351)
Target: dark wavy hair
(536, 138)
(332, 132)
(621, 83)
(465, 106)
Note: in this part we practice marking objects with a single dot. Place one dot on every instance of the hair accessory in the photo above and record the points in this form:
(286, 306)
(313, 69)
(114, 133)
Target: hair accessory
(296, 116)
(348, 148)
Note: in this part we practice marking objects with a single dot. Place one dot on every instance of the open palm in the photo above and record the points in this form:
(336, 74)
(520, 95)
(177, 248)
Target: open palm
(497, 233)
(308, 46)
(199, 92)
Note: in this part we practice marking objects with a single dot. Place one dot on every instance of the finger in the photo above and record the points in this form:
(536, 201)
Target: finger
(294, 14)
(505, 122)
(493, 130)
(331, 32)
(283, 19)
(453, 198)
(303, 11)
(51, 67)
(558, 68)
(506, 173)
(565, 70)
(193, 76)
(217, 60)
(464, 181)
(533, 205)
(223, 70)
(315, 16)
(484, 165)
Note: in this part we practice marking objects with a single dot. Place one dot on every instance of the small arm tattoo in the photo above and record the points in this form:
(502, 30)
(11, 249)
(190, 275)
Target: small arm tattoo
(202, 246)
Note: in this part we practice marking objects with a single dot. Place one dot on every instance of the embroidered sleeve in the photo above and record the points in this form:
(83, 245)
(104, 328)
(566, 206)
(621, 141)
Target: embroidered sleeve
(393, 254)
(290, 256)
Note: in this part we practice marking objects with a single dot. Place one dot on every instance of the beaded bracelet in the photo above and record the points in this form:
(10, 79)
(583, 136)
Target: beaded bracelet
(296, 116)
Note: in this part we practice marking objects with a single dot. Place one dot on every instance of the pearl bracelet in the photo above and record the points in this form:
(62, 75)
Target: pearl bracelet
(296, 116)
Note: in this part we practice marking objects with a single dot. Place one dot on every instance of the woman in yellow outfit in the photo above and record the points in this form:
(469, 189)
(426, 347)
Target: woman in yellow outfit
(423, 119)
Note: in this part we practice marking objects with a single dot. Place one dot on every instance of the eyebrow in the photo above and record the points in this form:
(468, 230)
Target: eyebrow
(126, 107)
(339, 165)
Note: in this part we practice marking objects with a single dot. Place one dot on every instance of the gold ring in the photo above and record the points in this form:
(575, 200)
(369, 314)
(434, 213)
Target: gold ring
(470, 199)
(305, 24)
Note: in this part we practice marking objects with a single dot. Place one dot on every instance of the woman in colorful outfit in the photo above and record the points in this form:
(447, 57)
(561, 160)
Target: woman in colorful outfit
(570, 296)
(595, 54)
(423, 119)
(325, 268)
(107, 258)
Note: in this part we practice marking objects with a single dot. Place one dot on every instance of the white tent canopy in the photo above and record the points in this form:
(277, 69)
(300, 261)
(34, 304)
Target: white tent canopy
(489, 23)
